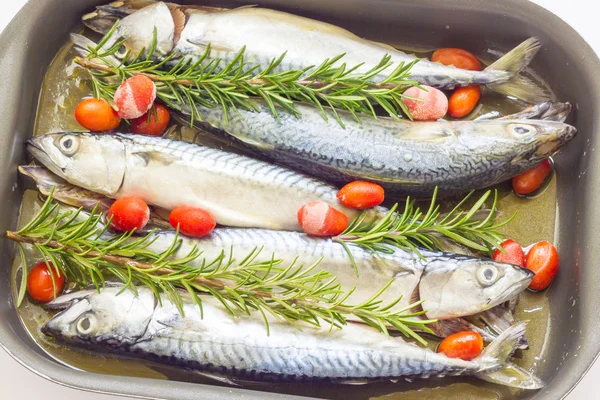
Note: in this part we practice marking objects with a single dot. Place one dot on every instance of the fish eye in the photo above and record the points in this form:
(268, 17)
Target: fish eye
(122, 52)
(86, 324)
(487, 275)
(522, 131)
(68, 145)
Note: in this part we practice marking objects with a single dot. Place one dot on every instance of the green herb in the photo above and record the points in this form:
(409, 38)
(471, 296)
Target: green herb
(77, 245)
(412, 229)
(236, 84)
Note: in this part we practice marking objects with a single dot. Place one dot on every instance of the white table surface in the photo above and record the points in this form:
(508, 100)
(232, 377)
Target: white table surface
(16, 382)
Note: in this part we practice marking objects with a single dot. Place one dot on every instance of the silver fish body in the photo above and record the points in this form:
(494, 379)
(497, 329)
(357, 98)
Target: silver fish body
(187, 31)
(449, 285)
(237, 190)
(241, 347)
(403, 156)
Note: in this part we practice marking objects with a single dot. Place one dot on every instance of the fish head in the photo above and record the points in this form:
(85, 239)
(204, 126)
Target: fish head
(112, 317)
(459, 286)
(525, 142)
(139, 23)
(93, 162)
(542, 137)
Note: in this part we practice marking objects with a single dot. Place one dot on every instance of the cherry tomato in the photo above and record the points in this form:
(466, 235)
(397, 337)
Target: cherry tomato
(193, 222)
(128, 213)
(529, 181)
(464, 345)
(513, 253)
(542, 259)
(96, 115)
(360, 195)
(135, 96)
(463, 100)
(456, 57)
(152, 123)
(320, 219)
(39, 282)
(433, 104)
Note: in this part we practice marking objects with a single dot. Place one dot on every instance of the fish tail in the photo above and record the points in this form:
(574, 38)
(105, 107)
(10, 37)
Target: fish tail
(514, 62)
(547, 111)
(83, 46)
(495, 364)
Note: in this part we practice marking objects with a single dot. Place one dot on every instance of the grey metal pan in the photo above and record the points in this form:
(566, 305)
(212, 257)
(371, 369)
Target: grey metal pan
(30, 42)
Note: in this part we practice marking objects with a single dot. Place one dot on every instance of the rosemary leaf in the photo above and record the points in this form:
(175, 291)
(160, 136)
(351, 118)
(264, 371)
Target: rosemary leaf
(238, 84)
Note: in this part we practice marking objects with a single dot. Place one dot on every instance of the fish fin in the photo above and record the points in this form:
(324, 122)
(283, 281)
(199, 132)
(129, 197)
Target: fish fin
(201, 42)
(498, 319)
(415, 295)
(514, 62)
(179, 19)
(354, 382)
(495, 365)
(217, 378)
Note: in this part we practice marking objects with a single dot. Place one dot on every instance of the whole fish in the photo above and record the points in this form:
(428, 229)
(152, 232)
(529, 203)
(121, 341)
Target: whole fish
(403, 156)
(237, 190)
(450, 285)
(241, 347)
(266, 34)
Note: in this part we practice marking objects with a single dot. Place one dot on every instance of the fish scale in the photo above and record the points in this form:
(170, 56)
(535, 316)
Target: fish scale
(241, 347)
(403, 156)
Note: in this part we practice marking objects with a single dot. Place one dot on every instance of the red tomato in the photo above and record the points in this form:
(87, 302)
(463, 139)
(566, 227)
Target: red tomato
(542, 259)
(360, 195)
(529, 181)
(458, 58)
(513, 253)
(152, 123)
(464, 345)
(135, 96)
(433, 104)
(193, 222)
(320, 219)
(96, 115)
(463, 100)
(128, 213)
(39, 282)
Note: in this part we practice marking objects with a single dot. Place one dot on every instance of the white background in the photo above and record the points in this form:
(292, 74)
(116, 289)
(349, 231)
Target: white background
(18, 383)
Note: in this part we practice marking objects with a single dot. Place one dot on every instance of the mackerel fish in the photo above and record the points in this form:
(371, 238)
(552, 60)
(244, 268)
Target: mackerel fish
(186, 31)
(237, 190)
(241, 347)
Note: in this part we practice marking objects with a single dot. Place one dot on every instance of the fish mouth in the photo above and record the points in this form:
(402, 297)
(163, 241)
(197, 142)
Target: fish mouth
(38, 152)
(517, 287)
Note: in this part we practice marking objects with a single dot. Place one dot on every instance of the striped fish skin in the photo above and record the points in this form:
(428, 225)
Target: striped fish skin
(187, 31)
(403, 156)
(241, 347)
(239, 191)
(450, 285)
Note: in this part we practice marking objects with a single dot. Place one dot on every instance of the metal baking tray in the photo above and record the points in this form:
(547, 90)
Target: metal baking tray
(566, 61)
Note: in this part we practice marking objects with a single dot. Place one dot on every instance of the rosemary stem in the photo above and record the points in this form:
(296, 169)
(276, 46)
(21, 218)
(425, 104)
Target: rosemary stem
(113, 259)
(315, 84)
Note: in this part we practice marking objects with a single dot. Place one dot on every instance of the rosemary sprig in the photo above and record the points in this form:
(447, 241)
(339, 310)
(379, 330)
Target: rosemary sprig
(236, 84)
(79, 247)
(412, 229)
